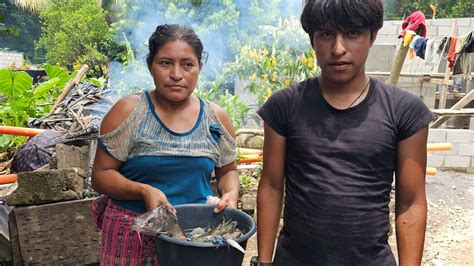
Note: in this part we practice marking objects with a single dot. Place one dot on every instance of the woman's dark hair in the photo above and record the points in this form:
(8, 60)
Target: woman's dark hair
(341, 15)
(172, 32)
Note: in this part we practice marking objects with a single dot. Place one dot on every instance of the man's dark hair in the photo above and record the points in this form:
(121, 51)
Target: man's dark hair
(341, 15)
(172, 32)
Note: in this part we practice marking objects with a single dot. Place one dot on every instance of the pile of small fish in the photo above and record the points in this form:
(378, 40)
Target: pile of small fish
(163, 220)
(223, 234)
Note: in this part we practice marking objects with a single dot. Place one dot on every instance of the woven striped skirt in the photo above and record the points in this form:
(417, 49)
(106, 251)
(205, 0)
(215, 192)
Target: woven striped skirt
(120, 245)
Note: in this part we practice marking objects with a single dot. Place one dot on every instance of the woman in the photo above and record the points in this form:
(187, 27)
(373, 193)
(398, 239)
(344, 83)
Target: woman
(161, 147)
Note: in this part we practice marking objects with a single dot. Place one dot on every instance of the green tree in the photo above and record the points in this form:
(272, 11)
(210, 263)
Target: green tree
(444, 8)
(38, 5)
(75, 32)
(4, 30)
(26, 30)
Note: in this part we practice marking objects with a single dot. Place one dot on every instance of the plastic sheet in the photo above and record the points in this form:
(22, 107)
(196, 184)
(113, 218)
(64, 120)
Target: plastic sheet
(85, 100)
(160, 220)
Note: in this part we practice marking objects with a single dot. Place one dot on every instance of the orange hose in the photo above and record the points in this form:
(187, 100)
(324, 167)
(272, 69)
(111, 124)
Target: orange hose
(249, 158)
(20, 131)
(431, 171)
(8, 179)
(439, 146)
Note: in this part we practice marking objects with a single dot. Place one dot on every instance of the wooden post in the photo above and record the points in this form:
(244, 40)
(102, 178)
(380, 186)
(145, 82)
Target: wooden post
(69, 86)
(398, 62)
(442, 96)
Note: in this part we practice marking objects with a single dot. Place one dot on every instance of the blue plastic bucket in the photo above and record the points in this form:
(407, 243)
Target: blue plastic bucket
(176, 252)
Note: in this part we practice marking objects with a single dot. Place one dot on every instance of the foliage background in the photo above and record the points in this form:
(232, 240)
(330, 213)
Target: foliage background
(28, 26)
(258, 43)
(75, 32)
(398, 9)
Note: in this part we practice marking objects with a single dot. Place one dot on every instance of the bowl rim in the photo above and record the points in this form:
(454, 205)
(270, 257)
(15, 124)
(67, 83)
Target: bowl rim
(244, 237)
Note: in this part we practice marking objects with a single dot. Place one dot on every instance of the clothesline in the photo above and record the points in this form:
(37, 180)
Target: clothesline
(453, 50)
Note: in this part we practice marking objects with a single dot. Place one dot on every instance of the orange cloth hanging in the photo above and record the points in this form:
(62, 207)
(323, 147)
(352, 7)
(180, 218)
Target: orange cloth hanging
(452, 52)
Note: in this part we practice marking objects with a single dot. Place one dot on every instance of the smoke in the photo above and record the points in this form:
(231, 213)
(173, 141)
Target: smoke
(223, 26)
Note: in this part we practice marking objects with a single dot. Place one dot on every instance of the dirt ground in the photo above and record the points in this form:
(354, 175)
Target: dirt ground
(450, 227)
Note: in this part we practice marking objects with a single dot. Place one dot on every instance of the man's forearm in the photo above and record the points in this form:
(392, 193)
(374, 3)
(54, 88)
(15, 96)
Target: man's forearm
(269, 205)
(411, 226)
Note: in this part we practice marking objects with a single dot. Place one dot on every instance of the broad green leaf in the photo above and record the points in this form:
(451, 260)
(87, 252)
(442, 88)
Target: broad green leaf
(100, 82)
(41, 91)
(57, 72)
(14, 84)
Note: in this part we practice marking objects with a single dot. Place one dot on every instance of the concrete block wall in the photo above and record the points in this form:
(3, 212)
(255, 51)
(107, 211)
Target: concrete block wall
(9, 58)
(435, 29)
(460, 157)
(414, 85)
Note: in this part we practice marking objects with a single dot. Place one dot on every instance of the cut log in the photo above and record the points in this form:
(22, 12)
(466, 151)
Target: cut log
(258, 132)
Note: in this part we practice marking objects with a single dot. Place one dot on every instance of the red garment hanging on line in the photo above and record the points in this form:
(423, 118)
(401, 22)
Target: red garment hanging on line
(413, 22)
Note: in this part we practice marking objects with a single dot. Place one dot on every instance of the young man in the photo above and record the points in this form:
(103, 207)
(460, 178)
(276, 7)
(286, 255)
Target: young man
(333, 143)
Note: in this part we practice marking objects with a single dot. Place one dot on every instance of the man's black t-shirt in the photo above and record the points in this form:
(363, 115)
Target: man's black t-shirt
(339, 169)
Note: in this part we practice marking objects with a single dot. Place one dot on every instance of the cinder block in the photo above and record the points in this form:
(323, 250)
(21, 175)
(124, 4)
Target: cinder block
(466, 149)
(437, 135)
(69, 156)
(432, 32)
(464, 30)
(388, 22)
(384, 39)
(457, 161)
(442, 22)
(459, 135)
(435, 161)
(471, 123)
(463, 22)
(445, 30)
(388, 29)
(40, 187)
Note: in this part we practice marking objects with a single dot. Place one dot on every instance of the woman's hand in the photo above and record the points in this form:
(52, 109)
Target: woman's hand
(153, 197)
(227, 199)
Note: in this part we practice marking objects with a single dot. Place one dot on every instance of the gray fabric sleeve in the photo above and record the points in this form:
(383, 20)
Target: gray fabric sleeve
(227, 144)
(117, 143)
